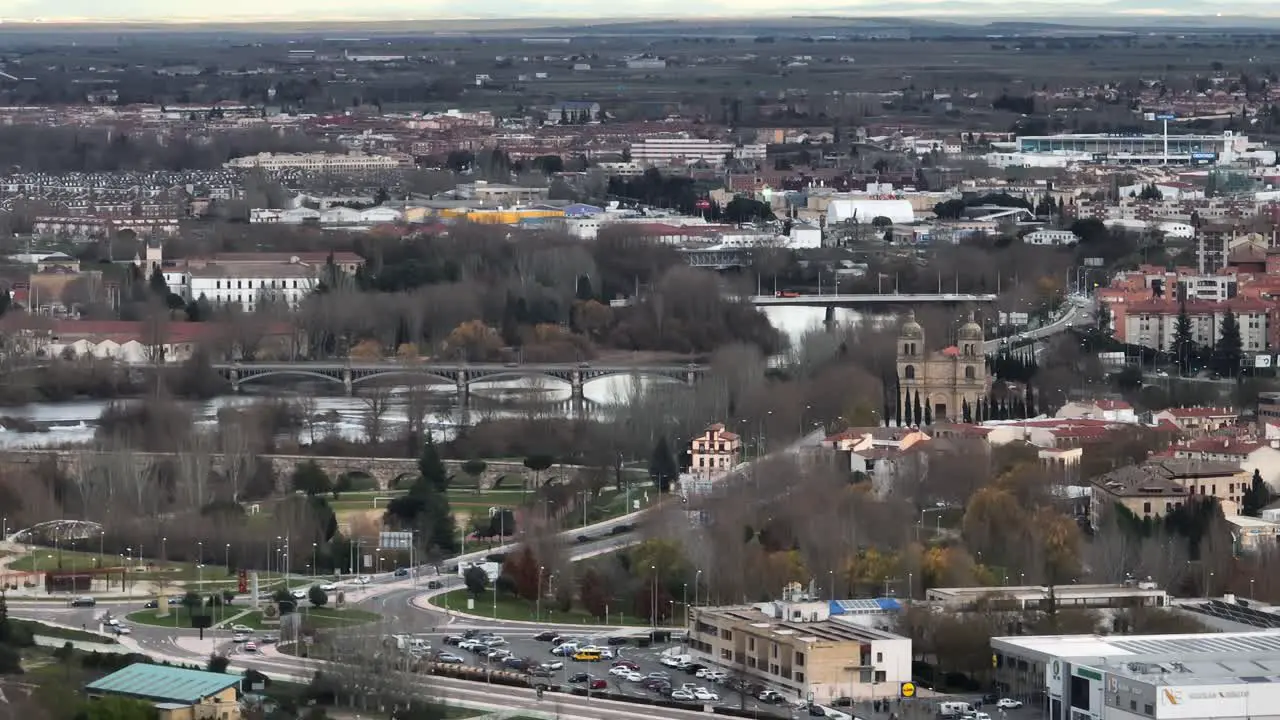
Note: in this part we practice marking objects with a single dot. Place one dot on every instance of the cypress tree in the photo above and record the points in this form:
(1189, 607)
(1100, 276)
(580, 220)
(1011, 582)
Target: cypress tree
(965, 413)
(897, 410)
(928, 414)
(918, 415)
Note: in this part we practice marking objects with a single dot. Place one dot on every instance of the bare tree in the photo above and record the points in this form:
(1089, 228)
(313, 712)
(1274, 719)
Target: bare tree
(377, 401)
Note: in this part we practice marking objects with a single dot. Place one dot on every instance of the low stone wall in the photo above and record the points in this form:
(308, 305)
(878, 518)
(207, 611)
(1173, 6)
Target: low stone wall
(388, 473)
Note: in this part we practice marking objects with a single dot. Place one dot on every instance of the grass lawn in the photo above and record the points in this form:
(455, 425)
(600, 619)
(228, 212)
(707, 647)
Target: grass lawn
(178, 616)
(46, 558)
(318, 617)
(37, 628)
(509, 608)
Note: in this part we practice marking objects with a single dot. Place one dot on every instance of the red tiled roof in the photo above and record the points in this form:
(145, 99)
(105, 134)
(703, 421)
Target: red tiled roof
(1201, 412)
(1222, 446)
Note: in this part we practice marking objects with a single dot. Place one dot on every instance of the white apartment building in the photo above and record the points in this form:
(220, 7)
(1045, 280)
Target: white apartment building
(246, 284)
(1051, 237)
(667, 151)
(352, 162)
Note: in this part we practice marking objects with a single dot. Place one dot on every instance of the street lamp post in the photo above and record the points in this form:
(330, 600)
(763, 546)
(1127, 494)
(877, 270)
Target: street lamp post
(315, 569)
(695, 587)
(537, 612)
(653, 605)
(228, 558)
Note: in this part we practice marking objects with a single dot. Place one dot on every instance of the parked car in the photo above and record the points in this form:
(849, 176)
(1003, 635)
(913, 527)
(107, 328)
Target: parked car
(402, 572)
(633, 676)
(329, 587)
(449, 659)
(716, 676)
(1008, 703)
(682, 695)
(553, 665)
(772, 697)
(122, 629)
(620, 671)
(624, 663)
(579, 677)
(615, 640)
(706, 695)
(363, 580)
(454, 640)
(597, 684)
(546, 635)
(239, 638)
(299, 594)
(250, 647)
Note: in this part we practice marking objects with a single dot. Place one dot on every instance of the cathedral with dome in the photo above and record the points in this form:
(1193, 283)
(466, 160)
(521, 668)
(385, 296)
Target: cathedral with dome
(945, 380)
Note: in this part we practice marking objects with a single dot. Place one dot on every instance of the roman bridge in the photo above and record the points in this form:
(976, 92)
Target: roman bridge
(351, 374)
(386, 472)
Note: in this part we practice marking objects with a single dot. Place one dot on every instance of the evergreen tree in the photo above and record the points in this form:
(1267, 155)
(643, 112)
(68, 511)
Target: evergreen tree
(928, 414)
(1256, 497)
(897, 410)
(918, 415)
(431, 467)
(1102, 320)
(157, 283)
(1031, 402)
(663, 469)
(965, 413)
(1184, 345)
(1229, 348)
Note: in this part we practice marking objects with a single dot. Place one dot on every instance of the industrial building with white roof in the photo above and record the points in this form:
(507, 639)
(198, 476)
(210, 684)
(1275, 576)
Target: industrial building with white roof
(1162, 677)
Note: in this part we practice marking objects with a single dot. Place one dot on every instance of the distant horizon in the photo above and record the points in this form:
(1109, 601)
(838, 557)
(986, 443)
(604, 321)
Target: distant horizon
(143, 13)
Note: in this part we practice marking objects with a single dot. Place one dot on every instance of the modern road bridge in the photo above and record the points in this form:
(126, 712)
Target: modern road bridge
(460, 375)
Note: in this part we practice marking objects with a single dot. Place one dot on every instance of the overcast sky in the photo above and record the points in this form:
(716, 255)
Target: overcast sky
(425, 10)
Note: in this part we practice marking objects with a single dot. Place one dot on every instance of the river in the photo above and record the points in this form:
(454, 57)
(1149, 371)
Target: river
(74, 422)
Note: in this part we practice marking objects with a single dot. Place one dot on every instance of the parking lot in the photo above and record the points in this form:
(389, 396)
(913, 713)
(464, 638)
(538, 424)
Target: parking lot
(522, 644)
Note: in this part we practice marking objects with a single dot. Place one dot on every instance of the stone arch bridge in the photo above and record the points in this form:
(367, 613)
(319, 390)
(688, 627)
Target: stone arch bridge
(386, 472)
(460, 375)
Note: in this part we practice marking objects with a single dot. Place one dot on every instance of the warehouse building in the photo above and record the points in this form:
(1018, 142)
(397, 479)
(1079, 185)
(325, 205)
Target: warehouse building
(1156, 677)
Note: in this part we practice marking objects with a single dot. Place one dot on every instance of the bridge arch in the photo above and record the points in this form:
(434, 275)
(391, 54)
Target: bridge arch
(250, 377)
(406, 372)
(601, 375)
(516, 375)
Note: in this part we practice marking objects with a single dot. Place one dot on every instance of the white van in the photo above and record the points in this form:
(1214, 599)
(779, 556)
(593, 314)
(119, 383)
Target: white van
(954, 709)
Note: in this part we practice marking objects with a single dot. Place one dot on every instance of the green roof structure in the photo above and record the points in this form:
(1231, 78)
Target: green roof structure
(163, 684)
